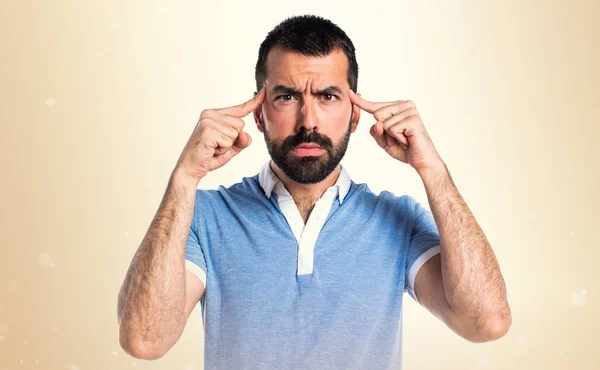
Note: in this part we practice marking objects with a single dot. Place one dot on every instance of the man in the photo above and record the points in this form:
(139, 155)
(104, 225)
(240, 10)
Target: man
(299, 267)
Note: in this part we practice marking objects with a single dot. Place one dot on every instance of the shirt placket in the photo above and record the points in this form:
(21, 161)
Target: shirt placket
(312, 229)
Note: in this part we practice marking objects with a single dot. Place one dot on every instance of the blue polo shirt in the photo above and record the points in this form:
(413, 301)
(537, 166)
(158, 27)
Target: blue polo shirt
(263, 309)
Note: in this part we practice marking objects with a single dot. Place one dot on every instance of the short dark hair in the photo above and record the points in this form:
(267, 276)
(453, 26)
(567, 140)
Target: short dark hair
(309, 35)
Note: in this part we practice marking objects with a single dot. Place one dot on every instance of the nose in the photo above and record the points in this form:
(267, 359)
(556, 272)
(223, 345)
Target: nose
(308, 119)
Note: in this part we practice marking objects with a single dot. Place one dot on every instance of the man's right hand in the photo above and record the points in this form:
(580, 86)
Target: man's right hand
(217, 137)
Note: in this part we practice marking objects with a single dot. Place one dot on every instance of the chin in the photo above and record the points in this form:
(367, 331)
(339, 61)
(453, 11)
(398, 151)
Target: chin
(308, 169)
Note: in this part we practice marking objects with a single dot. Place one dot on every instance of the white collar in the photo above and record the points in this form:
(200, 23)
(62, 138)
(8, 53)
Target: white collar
(268, 181)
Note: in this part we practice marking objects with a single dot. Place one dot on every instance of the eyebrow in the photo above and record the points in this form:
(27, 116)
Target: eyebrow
(290, 90)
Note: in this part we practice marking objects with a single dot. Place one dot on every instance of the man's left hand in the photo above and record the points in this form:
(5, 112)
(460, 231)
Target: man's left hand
(400, 132)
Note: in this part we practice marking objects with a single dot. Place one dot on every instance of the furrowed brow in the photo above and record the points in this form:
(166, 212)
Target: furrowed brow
(332, 90)
(290, 90)
(286, 90)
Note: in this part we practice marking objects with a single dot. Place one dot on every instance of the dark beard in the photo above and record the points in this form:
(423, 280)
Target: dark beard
(308, 169)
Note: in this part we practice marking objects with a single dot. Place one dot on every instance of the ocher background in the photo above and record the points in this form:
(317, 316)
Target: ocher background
(97, 100)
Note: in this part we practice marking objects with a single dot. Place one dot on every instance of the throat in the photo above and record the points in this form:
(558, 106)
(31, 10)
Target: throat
(305, 208)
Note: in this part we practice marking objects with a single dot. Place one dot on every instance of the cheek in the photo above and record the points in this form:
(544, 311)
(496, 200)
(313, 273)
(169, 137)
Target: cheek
(278, 121)
(341, 117)
(279, 117)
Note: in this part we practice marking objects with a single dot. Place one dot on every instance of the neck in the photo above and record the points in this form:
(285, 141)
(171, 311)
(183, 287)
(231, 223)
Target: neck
(306, 192)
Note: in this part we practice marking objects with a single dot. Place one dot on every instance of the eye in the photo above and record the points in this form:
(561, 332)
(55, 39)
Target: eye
(329, 97)
(284, 97)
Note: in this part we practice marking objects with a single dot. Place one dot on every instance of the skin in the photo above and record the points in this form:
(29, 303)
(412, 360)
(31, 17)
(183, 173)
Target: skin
(158, 293)
(462, 286)
(312, 107)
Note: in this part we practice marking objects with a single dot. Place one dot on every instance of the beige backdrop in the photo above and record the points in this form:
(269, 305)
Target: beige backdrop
(97, 100)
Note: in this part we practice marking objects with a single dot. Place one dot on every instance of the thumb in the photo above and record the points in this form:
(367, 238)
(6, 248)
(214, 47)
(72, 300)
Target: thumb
(375, 132)
(242, 142)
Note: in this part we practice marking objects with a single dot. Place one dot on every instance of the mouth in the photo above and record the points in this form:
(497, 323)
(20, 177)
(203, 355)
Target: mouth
(304, 150)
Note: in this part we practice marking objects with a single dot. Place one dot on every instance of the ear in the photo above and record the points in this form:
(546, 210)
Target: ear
(355, 116)
(258, 116)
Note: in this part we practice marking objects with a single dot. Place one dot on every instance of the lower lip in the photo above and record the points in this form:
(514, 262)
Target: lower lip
(303, 152)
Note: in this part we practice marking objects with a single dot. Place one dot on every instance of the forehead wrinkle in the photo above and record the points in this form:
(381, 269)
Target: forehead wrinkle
(291, 68)
(293, 89)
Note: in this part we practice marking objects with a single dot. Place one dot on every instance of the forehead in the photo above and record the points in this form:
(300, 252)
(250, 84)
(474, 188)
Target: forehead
(293, 68)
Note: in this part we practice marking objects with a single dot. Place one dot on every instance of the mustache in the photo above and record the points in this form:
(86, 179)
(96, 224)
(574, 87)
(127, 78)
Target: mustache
(306, 137)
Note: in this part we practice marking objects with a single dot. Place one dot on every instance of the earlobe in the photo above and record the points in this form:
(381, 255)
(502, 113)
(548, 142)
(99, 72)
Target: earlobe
(355, 117)
(258, 119)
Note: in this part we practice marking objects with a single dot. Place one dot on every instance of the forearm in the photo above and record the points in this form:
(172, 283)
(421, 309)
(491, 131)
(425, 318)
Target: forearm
(152, 298)
(473, 284)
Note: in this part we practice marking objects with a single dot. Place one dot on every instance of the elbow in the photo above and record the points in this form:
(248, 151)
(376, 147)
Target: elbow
(493, 328)
(498, 326)
(139, 349)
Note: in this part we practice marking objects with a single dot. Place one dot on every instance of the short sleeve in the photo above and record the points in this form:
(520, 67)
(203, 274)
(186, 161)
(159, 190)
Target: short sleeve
(194, 256)
(424, 244)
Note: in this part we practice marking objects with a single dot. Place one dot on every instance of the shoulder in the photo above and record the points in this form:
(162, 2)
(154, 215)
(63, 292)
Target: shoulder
(385, 205)
(384, 198)
(246, 185)
(245, 191)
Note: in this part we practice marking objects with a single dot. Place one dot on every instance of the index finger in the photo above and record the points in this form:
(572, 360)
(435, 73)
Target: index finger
(366, 105)
(244, 108)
